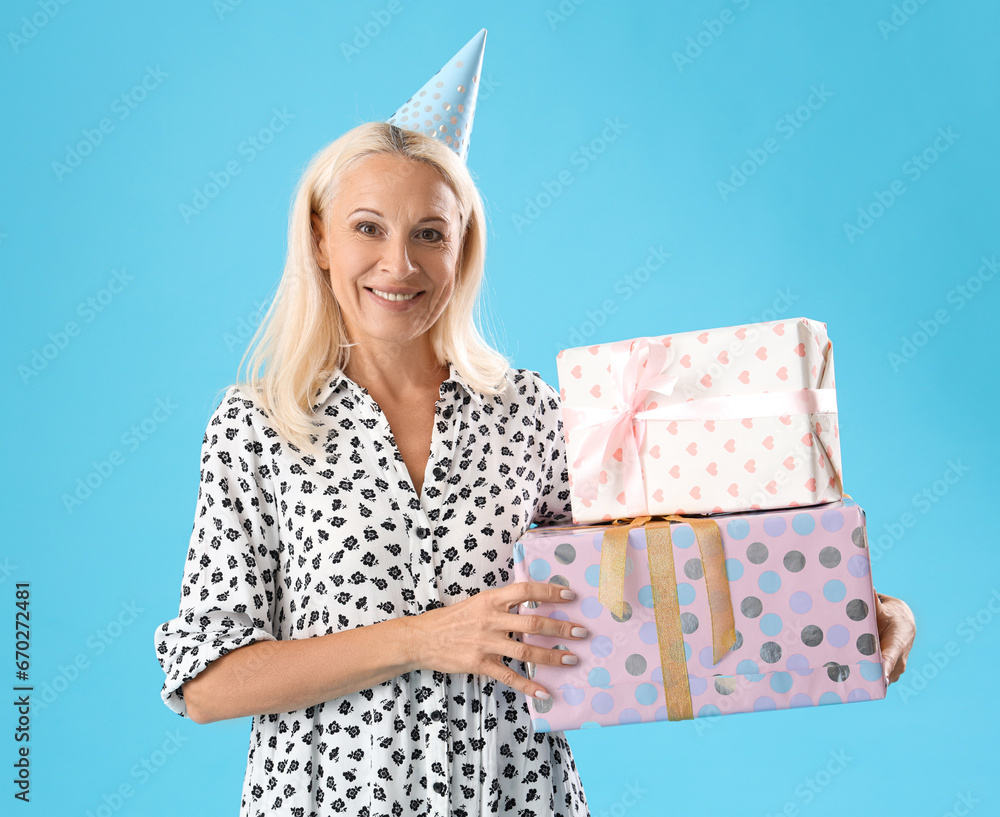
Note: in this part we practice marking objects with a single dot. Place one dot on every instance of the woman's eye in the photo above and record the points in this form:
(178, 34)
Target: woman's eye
(429, 234)
(368, 228)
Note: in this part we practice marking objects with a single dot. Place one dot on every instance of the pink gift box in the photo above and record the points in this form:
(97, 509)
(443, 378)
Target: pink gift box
(719, 421)
(802, 600)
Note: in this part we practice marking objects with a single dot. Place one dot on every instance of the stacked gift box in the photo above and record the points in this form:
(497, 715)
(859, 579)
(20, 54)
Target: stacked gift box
(716, 560)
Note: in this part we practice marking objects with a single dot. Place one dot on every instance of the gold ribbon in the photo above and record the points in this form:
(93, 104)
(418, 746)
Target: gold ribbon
(660, 552)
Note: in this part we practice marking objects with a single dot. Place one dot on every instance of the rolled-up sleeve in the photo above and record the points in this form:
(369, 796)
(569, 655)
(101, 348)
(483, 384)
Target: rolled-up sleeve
(228, 592)
(553, 506)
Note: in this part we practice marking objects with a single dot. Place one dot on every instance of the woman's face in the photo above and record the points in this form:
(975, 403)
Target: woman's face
(391, 245)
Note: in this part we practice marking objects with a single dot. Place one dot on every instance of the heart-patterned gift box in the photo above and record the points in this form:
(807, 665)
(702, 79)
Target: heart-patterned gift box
(717, 421)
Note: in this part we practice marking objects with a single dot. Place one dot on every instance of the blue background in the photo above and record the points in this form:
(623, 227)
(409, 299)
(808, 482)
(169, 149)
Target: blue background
(561, 265)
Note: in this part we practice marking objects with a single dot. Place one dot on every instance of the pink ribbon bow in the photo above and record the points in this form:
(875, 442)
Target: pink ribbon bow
(618, 431)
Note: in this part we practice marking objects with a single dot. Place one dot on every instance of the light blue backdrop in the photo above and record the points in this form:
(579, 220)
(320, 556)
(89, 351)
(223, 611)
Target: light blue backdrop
(835, 161)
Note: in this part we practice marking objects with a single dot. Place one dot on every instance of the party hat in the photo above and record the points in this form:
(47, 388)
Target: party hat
(444, 107)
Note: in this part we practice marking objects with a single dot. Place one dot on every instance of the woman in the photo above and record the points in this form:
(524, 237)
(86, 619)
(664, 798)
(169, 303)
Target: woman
(349, 571)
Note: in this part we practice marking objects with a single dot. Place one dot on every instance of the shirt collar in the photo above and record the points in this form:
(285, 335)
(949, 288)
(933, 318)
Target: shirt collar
(336, 377)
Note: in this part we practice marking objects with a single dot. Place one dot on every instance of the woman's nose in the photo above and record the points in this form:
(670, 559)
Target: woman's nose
(396, 258)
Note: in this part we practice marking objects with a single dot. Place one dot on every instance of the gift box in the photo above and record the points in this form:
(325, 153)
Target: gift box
(725, 420)
(695, 617)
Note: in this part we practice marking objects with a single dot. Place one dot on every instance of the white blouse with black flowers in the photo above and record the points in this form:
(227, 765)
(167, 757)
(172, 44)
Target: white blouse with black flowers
(288, 546)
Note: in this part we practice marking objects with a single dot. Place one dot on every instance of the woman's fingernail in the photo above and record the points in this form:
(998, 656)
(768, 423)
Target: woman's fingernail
(569, 659)
(579, 632)
(568, 594)
(542, 694)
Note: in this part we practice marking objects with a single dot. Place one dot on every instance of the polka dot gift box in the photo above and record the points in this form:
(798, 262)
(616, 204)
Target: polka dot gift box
(719, 421)
(797, 627)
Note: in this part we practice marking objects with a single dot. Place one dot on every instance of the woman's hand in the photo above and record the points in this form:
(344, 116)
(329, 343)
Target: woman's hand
(473, 635)
(896, 630)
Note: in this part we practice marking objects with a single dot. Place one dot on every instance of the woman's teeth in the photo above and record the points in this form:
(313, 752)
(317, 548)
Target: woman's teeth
(390, 297)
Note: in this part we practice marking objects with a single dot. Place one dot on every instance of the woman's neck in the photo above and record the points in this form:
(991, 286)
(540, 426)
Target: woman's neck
(395, 372)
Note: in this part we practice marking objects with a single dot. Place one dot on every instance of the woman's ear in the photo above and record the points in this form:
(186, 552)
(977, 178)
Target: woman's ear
(319, 242)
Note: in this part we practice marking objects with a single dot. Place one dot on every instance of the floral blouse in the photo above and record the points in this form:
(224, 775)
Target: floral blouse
(285, 545)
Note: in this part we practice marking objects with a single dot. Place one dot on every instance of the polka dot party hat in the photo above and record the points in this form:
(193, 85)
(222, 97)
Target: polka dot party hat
(444, 107)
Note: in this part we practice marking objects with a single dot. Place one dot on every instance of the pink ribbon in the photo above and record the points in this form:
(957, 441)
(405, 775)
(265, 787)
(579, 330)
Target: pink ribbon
(604, 432)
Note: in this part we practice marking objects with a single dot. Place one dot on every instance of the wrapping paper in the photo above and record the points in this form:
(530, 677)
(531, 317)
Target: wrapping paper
(719, 421)
(802, 601)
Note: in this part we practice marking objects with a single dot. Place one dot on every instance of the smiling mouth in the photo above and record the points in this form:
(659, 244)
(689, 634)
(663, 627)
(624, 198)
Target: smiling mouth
(389, 296)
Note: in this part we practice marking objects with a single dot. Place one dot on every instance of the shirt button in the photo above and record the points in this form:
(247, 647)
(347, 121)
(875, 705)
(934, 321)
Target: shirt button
(423, 533)
(438, 473)
(436, 715)
(439, 788)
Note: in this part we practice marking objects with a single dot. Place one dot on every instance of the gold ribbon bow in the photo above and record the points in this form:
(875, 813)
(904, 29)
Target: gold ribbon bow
(663, 580)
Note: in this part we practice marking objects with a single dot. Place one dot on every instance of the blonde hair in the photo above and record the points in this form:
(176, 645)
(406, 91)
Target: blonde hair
(302, 338)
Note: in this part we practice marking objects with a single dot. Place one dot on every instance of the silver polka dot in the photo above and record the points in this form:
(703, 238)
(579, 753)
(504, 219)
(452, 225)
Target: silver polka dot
(542, 706)
(531, 605)
(689, 623)
(626, 614)
(770, 652)
(829, 557)
(530, 668)
(857, 610)
(560, 580)
(751, 607)
(739, 642)
(859, 538)
(565, 553)
(812, 636)
(635, 664)
(866, 644)
(837, 672)
(693, 569)
(757, 553)
(794, 561)
(725, 684)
